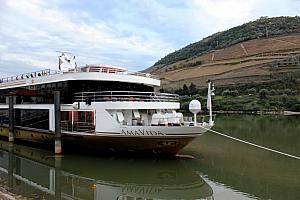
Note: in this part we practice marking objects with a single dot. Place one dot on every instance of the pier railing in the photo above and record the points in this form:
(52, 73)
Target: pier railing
(115, 96)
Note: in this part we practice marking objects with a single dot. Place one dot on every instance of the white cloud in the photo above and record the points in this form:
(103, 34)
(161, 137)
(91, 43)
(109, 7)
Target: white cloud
(220, 15)
(36, 27)
(27, 59)
(133, 33)
(230, 9)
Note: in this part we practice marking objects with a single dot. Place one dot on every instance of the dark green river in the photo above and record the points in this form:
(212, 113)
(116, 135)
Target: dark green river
(211, 167)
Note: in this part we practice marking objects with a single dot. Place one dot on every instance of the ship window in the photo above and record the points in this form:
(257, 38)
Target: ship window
(120, 116)
(4, 116)
(136, 114)
(32, 118)
(81, 121)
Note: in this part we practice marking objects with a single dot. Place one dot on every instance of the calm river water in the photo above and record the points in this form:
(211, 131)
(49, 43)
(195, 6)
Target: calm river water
(221, 169)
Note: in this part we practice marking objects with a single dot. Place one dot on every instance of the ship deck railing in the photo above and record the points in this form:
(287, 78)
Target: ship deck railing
(144, 75)
(116, 96)
(113, 70)
(45, 72)
(178, 121)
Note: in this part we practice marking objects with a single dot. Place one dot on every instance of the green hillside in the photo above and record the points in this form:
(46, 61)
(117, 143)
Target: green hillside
(261, 28)
(278, 95)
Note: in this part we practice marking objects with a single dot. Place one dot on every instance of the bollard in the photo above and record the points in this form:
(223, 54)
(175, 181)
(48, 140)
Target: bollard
(57, 122)
(11, 134)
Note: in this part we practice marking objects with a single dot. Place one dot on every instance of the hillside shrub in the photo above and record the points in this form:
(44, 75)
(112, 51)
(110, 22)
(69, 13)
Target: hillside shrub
(263, 93)
(251, 91)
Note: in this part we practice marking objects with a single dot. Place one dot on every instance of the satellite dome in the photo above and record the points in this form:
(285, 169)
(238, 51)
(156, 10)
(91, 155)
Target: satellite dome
(195, 106)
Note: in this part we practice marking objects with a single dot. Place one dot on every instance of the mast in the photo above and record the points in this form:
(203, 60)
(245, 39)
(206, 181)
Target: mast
(210, 92)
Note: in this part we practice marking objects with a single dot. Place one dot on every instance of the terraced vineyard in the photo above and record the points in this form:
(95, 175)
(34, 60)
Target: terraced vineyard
(256, 60)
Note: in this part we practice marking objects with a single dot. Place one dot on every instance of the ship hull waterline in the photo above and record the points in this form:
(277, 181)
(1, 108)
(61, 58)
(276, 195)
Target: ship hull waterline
(103, 143)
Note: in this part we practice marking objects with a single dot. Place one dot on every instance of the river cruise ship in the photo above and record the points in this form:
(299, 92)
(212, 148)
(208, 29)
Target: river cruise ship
(102, 107)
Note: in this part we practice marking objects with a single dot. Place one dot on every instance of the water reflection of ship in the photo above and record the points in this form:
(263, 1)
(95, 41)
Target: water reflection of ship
(74, 177)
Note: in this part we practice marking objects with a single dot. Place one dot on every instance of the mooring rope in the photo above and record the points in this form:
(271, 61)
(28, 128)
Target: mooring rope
(251, 144)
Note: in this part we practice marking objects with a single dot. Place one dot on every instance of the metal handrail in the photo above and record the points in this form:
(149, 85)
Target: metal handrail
(200, 118)
(114, 70)
(48, 72)
(125, 96)
(144, 75)
(19, 77)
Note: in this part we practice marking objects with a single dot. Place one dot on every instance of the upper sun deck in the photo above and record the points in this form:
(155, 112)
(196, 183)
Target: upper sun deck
(88, 72)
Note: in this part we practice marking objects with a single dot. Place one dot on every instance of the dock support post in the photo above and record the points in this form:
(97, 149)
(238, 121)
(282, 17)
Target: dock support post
(11, 134)
(57, 122)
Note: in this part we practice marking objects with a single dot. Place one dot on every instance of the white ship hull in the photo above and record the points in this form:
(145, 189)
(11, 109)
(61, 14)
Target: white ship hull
(167, 141)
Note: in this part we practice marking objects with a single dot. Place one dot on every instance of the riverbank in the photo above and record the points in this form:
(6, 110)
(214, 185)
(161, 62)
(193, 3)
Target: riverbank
(247, 104)
(5, 193)
(259, 112)
(274, 97)
(5, 196)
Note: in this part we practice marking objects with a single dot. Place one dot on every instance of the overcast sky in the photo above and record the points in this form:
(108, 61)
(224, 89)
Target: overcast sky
(128, 33)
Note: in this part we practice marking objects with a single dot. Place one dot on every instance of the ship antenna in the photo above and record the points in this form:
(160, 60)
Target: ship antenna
(66, 57)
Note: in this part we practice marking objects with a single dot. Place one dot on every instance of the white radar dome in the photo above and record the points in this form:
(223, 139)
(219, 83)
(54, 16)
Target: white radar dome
(195, 106)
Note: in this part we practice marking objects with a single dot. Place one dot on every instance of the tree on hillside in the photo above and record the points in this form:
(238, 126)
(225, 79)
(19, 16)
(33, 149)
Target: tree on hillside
(192, 89)
(263, 93)
(185, 89)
